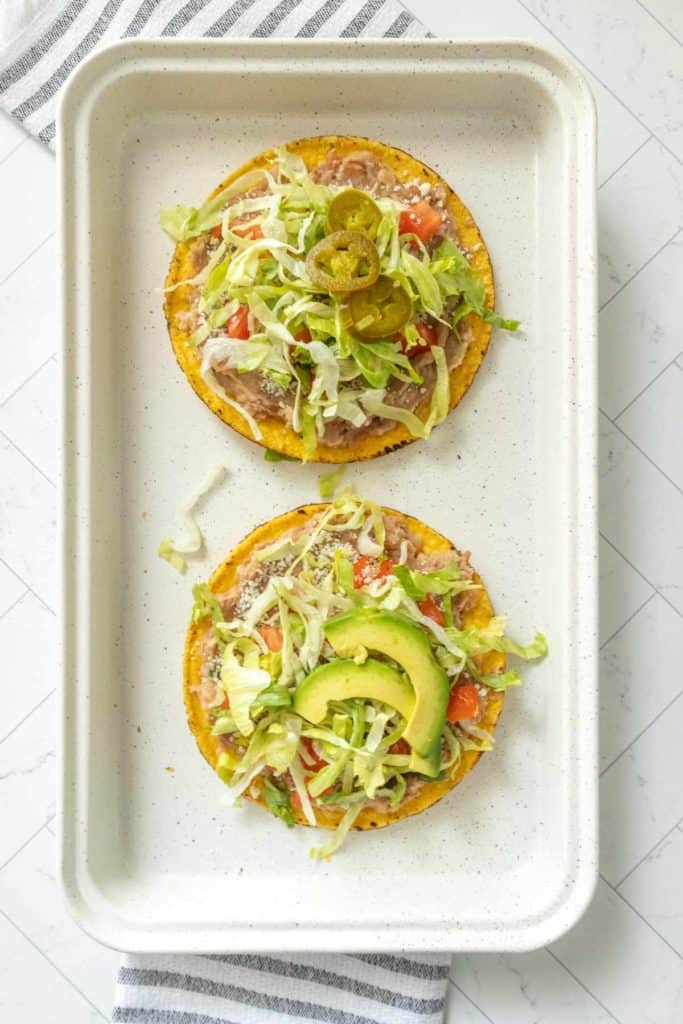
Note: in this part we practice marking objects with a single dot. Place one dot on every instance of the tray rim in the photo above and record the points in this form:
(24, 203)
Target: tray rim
(94, 75)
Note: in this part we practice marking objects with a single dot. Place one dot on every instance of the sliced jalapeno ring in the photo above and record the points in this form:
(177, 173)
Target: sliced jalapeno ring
(353, 210)
(343, 262)
(381, 309)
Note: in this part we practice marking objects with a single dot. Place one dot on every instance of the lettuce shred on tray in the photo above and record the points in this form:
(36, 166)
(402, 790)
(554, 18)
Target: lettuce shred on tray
(296, 336)
(190, 543)
(268, 634)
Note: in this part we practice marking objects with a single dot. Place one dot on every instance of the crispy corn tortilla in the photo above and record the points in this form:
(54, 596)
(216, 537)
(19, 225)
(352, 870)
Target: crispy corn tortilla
(329, 817)
(276, 435)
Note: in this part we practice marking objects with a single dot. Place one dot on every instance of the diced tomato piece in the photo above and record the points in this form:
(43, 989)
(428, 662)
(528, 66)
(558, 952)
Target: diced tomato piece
(217, 232)
(400, 747)
(428, 338)
(272, 637)
(463, 703)
(430, 608)
(384, 569)
(421, 220)
(247, 229)
(295, 800)
(312, 761)
(366, 569)
(304, 335)
(225, 703)
(238, 324)
(427, 332)
(363, 571)
(405, 223)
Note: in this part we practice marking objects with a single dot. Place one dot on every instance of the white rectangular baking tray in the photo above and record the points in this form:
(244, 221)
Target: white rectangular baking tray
(154, 858)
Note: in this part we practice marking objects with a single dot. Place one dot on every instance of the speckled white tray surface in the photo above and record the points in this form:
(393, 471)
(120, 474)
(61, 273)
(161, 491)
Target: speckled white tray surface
(154, 859)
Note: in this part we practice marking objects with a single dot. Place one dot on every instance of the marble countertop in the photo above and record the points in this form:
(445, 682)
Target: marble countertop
(624, 961)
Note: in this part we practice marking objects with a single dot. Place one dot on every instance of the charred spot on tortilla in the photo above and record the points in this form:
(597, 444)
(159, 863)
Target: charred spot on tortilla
(275, 402)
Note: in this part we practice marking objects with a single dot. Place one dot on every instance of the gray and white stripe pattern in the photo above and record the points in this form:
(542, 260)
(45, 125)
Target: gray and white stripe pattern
(273, 989)
(242, 989)
(36, 62)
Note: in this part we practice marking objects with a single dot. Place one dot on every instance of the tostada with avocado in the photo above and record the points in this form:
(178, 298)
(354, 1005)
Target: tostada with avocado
(332, 299)
(344, 667)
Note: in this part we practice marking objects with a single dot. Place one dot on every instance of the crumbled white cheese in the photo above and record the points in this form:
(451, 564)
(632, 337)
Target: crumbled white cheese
(326, 548)
(270, 386)
(248, 594)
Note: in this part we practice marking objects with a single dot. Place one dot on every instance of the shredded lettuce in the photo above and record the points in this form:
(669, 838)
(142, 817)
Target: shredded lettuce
(440, 399)
(309, 433)
(329, 482)
(325, 851)
(278, 802)
(479, 641)
(457, 277)
(496, 680)
(271, 456)
(274, 696)
(205, 603)
(343, 573)
(328, 775)
(374, 404)
(242, 681)
(474, 738)
(399, 791)
(499, 321)
(183, 222)
(225, 766)
(378, 361)
(281, 740)
(209, 377)
(224, 725)
(280, 549)
(367, 544)
(177, 220)
(326, 382)
(374, 737)
(425, 283)
(448, 580)
(192, 539)
(297, 775)
(167, 551)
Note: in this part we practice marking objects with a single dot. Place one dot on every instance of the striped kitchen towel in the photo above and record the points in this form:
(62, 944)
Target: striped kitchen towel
(42, 41)
(363, 988)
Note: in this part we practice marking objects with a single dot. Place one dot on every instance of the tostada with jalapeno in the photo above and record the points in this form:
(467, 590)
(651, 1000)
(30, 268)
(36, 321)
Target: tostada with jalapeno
(332, 299)
(344, 667)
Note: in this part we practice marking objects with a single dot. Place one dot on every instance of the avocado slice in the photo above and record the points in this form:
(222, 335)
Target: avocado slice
(407, 644)
(345, 679)
(428, 764)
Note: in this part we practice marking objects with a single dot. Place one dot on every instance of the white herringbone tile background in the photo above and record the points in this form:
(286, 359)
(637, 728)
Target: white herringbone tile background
(624, 961)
